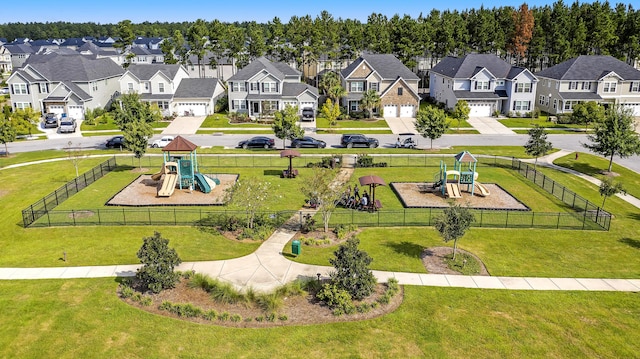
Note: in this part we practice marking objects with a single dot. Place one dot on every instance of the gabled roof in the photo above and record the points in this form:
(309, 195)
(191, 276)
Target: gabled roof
(20, 48)
(386, 65)
(197, 88)
(400, 79)
(145, 72)
(467, 66)
(589, 68)
(74, 41)
(290, 89)
(180, 144)
(76, 67)
(465, 157)
(144, 51)
(277, 69)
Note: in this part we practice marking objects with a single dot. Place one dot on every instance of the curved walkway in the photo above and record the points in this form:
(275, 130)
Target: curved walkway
(267, 268)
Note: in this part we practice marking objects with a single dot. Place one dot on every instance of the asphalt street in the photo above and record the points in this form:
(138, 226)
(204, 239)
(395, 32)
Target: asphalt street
(566, 142)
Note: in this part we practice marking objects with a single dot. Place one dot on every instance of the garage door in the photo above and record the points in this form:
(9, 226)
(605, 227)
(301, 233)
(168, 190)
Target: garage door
(634, 108)
(390, 111)
(75, 112)
(479, 110)
(57, 109)
(193, 108)
(307, 104)
(406, 111)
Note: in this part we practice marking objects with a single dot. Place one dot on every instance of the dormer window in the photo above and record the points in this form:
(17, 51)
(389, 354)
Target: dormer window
(269, 87)
(499, 83)
(610, 87)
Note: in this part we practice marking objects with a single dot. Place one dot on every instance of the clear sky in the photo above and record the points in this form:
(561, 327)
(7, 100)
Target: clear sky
(113, 11)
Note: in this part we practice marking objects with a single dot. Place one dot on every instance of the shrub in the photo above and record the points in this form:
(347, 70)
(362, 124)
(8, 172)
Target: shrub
(384, 299)
(236, 318)
(222, 104)
(146, 301)
(342, 230)
(126, 291)
(283, 318)
(223, 316)
(309, 224)
(337, 299)
(291, 289)
(260, 318)
(269, 302)
(166, 305)
(271, 317)
(352, 270)
(210, 315)
(226, 293)
(158, 262)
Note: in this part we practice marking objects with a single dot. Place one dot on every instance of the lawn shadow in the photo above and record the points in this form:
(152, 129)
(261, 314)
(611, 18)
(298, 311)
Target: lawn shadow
(272, 173)
(407, 248)
(633, 243)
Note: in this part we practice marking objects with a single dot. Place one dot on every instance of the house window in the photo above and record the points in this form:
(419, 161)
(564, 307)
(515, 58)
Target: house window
(521, 105)
(20, 89)
(43, 87)
(356, 86)
(161, 87)
(269, 87)
(238, 87)
(400, 91)
(523, 87)
(163, 105)
(146, 86)
(541, 100)
(568, 105)
(499, 83)
(573, 85)
(94, 86)
(130, 87)
(354, 105)
(239, 105)
(610, 87)
(555, 103)
(374, 86)
(22, 105)
(586, 85)
(635, 87)
(254, 86)
(482, 85)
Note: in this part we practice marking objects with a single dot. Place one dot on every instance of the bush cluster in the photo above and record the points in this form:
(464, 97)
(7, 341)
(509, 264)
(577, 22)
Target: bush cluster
(365, 161)
(314, 242)
(342, 231)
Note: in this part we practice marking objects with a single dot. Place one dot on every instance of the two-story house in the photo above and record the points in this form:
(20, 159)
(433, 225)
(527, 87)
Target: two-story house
(19, 53)
(486, 82)
(155, 83)
(212, 66)
(603, 79)
(263, 87)
(197, 96)
(389, 77)
(64, 83)
(5, 60)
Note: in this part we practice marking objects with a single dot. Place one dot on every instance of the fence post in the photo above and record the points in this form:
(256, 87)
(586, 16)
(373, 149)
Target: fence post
(481, 213)
(48, 219)
(175, 219)
(378, 212)
(584, 219)
(553, 186)
(73, 215)
(149, 213)
(99, 219)
(533, 215)
(506, 221)
(404, 217)
(558, 224)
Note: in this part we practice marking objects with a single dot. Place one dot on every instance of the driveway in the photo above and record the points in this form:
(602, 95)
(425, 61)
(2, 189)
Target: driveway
(184, 125)
(401, 124)
(489, 126)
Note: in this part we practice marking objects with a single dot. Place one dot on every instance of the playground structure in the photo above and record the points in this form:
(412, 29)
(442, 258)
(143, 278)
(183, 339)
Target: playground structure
(181, 170)
(463, 173)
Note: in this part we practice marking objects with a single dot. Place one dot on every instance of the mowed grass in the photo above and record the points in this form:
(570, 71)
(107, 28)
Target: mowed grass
(85, 319)
(374, 123)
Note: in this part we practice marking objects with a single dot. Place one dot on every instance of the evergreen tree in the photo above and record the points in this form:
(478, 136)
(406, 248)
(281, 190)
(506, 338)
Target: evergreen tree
(197, 38)
(158, 262)
(352, 270)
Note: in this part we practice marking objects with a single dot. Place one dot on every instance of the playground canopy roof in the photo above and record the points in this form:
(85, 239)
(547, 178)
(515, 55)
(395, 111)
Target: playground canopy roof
(289, 153)
(464, 157)
(371, 180)
(180, 144)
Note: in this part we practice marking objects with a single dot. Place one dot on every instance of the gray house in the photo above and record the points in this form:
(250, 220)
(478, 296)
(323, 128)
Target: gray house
(486, 82)
(263, 87)
(69, 83)
(197, 97)
(603, 79)
(155, 83)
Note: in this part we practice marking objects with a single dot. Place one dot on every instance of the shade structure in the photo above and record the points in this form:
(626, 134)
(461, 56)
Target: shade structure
(290, 154)
(373, 182)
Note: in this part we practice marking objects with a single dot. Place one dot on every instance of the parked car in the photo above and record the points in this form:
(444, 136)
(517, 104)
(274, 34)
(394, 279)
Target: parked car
(308, 114)
(257, 142)
(4, 90)
(67, 125)
(308, 142)
(162, 142)
(115, 142)
(358, 140)
(50, 120)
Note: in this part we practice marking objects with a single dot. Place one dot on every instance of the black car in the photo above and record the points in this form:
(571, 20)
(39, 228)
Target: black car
(258, 142)
(308, 142)
(357, 140)
(308, 114)
(50, 120)
(115, 142)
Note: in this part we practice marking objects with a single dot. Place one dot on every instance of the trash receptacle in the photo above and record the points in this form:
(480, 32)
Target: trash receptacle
(295, 247)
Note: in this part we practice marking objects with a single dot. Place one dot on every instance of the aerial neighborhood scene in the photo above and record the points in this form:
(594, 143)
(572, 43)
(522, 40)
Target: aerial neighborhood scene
(341, 180)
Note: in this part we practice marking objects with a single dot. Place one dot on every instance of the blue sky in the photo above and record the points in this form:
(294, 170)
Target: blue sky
(227, 11)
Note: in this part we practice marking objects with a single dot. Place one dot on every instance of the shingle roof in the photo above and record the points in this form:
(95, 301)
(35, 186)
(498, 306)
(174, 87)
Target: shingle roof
(76, 67)
(279, 70)
(20, 48)
(196, 88)
(467, 66)
(147, 71)
(180, 144)
(477, 95)
(295, 89)
(387, 65)
(583, 96)
(591, 68)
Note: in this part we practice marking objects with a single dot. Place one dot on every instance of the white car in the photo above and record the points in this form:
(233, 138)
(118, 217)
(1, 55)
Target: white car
(162, 142)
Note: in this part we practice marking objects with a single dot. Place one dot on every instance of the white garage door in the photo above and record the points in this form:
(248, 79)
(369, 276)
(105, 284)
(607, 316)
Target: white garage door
(57, 109)
(634, 107)
(406, 111)
(479, 110)
(75, 112)
(390, 111)
(306, 104)
(193, 108)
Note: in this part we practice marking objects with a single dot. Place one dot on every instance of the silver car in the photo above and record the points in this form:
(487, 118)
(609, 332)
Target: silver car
(67, 125)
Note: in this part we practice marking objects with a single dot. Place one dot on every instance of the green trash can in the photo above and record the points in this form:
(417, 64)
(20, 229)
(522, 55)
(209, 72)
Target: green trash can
(295, 247)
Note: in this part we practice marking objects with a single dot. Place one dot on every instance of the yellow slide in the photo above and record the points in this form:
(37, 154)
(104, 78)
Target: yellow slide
(483, 190)
(168, 185)
(453, 191)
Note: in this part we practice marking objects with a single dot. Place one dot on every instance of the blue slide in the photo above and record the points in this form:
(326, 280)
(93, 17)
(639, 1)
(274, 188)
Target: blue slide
(202, 183)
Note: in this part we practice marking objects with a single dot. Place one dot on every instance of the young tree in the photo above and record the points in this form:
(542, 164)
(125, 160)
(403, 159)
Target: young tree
(249, 194)
(330, 111)
(134, 118)
(461, 111)
(587, 112)
(352, 270)
(370, 100)
(615, 135)
(453, 223)
(431, 123)
(285, 125)
(537, 145)
(609, 188)
(158, 262)
(75, 155)
(8, 133)
(321, 188)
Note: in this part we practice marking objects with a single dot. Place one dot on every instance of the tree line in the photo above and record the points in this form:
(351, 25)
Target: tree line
(536, 37)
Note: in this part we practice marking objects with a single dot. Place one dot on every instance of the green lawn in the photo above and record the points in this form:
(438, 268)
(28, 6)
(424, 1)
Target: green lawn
(576, 131)
(236, 132)
(85, 319)
(221, 120)
(379, 123)
(366, 131)
(542, 121)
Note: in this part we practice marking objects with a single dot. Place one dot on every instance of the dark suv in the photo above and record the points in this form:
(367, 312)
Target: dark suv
(308, 114)
(50, 120)
(357, 140)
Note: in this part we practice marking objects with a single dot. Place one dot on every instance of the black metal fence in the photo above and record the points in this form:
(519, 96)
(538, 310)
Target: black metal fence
(53, 199)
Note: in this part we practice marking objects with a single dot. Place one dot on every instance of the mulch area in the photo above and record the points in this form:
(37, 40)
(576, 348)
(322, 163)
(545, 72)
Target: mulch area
(416, 194)
(433, 260)
(143, 192)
